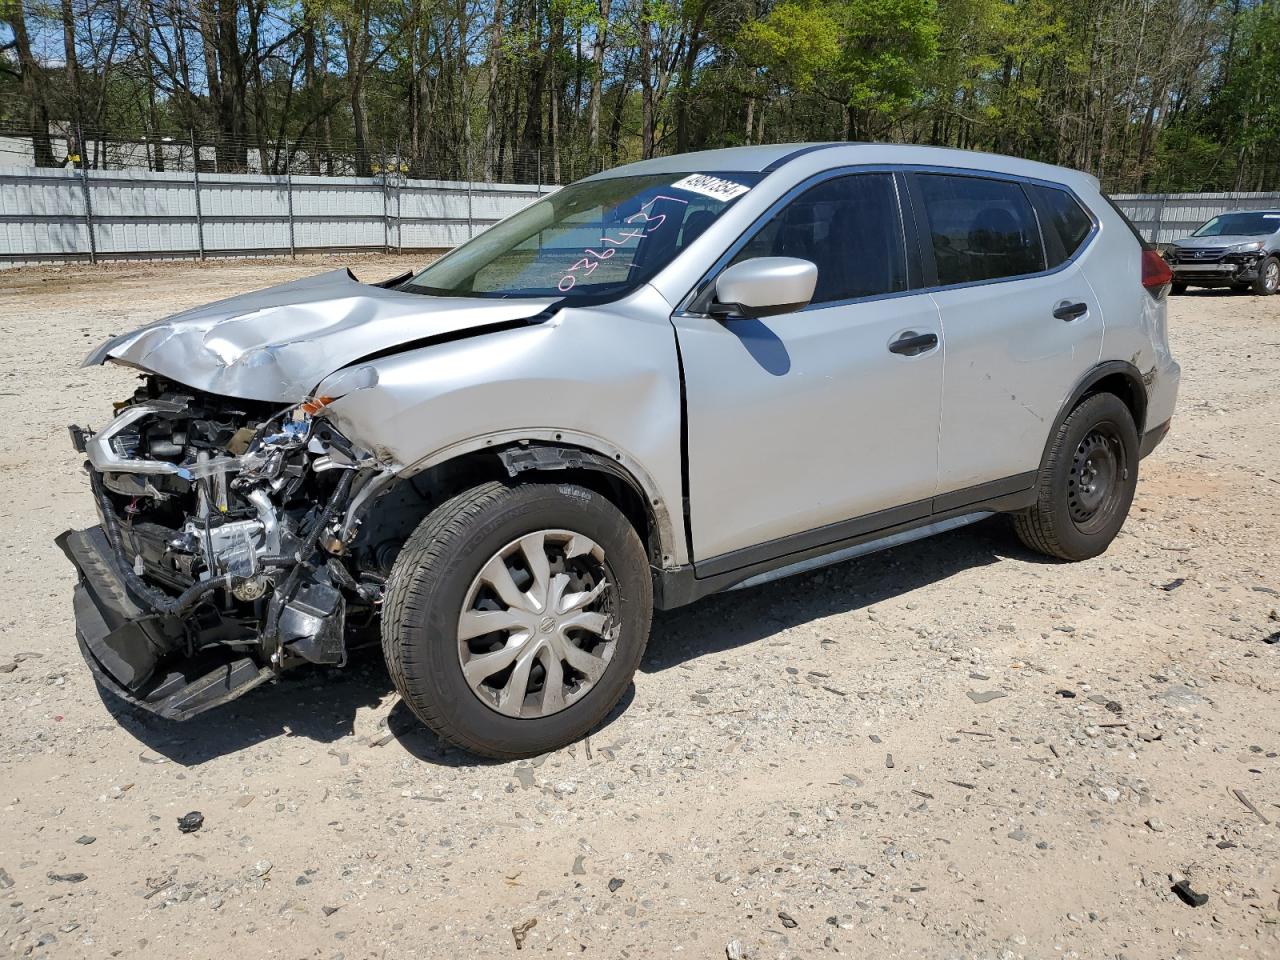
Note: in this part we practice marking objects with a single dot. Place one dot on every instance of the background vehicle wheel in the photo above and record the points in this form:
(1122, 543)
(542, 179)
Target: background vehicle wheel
(1268, 279)
(515, 617)
(1086, 483)
(1177, 289)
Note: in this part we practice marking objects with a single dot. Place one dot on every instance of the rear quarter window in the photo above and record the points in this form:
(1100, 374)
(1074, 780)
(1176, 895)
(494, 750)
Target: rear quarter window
(1064, 223)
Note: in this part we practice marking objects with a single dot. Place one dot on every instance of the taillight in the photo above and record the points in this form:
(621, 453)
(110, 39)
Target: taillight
(1156, 275)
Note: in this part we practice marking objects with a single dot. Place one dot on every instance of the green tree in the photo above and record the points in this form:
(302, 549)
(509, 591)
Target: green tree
(868, 56)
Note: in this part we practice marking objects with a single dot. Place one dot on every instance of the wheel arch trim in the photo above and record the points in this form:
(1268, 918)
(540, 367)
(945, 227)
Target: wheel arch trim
(1108, 368)
(560, 449)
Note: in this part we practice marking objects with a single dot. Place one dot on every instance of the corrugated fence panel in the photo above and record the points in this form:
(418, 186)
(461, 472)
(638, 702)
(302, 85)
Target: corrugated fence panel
(144, 213)
(136, 213)
(1165, 217)
(341, 212)
(42, 213)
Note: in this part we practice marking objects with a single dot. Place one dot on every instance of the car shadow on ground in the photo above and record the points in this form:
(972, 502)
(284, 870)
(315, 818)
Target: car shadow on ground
(315, 704)
(740, 617)
(322, 705)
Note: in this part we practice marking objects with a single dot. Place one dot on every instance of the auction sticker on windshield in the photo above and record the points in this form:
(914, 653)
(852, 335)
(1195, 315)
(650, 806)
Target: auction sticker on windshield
(717, 188)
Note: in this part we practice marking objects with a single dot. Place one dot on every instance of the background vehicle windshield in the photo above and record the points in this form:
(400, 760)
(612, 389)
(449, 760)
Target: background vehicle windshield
(595, 240)
(1240, 225)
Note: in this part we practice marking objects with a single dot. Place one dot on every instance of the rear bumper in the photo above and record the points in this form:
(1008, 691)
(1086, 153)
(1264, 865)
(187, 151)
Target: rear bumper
(140, 656)
(1162, 383)
(1151, 439)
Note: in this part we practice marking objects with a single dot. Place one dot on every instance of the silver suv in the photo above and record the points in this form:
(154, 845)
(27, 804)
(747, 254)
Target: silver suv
(1239, 249)
(682, 376)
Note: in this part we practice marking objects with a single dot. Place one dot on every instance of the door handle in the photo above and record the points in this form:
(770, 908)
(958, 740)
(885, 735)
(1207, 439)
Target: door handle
(1068, 311)
(911, 344)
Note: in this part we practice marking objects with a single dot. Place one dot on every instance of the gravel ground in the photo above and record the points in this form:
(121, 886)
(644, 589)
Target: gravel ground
(953, 749)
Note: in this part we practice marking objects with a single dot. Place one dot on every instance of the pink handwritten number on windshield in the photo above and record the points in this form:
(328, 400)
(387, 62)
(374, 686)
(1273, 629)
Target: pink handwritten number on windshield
(609, 245)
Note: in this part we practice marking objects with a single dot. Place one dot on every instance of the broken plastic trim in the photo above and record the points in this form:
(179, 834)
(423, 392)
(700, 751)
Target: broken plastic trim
(104, 458)
(270, 635)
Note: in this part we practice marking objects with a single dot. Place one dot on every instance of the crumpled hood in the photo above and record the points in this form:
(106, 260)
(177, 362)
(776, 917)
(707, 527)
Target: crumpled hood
(278, 344)
(1202, 243)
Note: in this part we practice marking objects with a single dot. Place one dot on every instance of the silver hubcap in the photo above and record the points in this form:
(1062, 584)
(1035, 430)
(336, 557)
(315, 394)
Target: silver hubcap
(1273, 275)
(538, 626)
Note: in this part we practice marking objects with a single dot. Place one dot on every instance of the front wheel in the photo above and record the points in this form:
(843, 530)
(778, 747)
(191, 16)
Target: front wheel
(1177, 289)
(1268, 280)
(1086, 484)
(515, 617)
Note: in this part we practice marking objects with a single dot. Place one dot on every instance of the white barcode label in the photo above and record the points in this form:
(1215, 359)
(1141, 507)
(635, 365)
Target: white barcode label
(715, 187)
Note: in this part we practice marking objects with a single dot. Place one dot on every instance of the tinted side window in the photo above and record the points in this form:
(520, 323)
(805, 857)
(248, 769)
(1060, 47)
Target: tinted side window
(850, 227)
(981, 229)
(1064, 223)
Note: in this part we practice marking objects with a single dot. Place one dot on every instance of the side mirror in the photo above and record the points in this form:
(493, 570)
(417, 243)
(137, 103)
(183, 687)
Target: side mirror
(764, 287)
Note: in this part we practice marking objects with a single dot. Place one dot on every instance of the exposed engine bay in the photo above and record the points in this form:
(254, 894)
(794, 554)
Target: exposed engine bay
(223, 556)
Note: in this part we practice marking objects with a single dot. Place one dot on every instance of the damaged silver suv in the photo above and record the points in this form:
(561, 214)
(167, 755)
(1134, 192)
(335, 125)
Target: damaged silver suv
(686, 375)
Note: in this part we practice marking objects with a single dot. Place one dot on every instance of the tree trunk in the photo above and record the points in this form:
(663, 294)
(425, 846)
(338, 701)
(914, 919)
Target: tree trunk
(598, 44)
(73, 74)
(648, 109)
(531, 137)
(360, 124)
(218, 34)
(464, 89)
(555, 88)
(356, 43)
(311, 96)
(619, 103)
(683, 85)
(153, 116)
(492, 156)
(33, 88)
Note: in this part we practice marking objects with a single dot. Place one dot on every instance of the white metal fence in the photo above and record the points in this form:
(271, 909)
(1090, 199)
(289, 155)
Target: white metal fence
(66, 214)
(50, 214)
(1162, 217)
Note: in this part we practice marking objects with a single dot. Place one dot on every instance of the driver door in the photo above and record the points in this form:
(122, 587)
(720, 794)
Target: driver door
(813, 426)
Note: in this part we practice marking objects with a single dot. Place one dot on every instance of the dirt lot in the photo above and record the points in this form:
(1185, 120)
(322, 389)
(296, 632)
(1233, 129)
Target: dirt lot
(817, 766)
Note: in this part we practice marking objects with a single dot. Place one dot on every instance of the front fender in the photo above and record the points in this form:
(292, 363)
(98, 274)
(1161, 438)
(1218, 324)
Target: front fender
(603, 379)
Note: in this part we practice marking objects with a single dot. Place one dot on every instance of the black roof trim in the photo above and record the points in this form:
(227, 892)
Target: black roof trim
(811, 148)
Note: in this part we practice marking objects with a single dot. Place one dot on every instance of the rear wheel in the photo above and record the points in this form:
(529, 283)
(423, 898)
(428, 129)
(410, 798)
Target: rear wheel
(1086, 484)
(1268, 279)
(516, 616)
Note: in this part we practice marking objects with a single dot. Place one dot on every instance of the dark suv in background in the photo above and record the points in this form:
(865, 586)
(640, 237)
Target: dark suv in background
(1238, 249)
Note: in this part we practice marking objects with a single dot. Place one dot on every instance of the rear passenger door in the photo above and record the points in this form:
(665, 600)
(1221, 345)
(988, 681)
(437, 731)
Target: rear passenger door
(1020, 321)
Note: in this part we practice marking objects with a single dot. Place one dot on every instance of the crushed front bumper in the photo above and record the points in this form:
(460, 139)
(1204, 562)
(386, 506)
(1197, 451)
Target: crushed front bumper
(1233, 269)
(138, 655)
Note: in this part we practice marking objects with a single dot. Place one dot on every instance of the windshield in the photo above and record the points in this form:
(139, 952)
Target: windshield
(594, 240)
(1240, 225)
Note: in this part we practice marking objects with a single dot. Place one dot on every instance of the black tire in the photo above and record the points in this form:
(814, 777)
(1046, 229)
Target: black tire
(1177, 289)
(1268, 280)
(429, 586)
(1098, 439)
